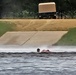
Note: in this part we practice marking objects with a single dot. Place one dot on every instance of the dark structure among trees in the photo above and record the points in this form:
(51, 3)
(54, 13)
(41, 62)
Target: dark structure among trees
(29, 8)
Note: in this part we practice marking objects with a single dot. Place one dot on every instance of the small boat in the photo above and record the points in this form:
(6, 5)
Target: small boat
(45, 51)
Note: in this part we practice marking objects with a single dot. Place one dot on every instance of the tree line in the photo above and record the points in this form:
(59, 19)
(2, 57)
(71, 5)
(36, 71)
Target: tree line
(29, 8)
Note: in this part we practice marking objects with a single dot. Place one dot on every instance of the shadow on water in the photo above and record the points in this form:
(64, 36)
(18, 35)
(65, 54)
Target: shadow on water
(35, 54)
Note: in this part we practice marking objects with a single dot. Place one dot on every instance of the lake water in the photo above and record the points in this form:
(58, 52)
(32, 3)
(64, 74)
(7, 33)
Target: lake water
(37, 64)
(18, 60)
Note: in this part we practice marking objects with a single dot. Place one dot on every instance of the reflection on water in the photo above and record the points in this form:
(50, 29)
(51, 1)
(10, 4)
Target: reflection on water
(37, 64)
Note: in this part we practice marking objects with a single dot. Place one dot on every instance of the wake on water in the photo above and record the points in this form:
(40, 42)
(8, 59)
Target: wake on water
(20, 49)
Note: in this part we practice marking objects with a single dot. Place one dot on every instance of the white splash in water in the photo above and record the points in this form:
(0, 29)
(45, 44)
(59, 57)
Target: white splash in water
(14, 48)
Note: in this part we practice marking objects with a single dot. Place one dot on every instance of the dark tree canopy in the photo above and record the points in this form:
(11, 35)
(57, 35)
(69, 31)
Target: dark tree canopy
(27, 8)
(1, 8)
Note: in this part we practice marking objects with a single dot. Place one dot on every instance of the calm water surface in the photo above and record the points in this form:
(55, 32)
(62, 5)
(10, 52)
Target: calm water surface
(37, 64)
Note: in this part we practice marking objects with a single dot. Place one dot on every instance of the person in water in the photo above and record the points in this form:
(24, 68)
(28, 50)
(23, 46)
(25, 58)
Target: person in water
(38, 50)
(43, 51)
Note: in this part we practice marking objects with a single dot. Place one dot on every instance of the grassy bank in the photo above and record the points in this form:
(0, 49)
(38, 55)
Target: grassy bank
(68, 39)
(42, 25)
(5, 26)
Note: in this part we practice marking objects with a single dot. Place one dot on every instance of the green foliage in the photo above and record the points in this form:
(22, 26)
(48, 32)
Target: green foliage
(5, 26)
(69, 38)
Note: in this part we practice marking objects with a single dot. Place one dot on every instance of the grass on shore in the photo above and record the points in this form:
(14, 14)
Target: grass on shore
(69, 39)
(5, 26)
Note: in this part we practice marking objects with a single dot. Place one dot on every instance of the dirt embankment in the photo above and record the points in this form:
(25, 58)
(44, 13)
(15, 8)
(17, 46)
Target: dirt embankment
(42, 24)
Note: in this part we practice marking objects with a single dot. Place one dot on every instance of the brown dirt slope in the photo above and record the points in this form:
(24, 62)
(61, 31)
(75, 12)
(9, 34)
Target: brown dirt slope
(42, 24)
